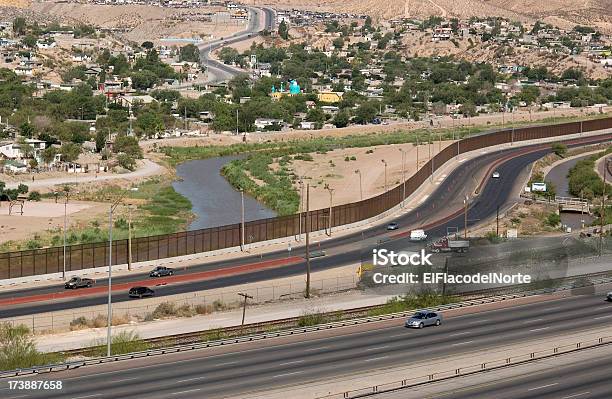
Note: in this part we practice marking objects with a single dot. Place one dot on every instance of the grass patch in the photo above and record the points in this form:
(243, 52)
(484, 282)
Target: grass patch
(17, 349)
(408, 302)
(124, 342)
(312, 319)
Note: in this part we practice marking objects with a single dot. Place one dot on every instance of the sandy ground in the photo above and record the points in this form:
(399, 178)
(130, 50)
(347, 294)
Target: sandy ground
(45, 215)
(340, 176)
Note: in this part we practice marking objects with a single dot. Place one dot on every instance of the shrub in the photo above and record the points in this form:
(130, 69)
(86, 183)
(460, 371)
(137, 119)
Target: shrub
(124, 342)
(79, 323)
(17, 349)
(553, 219)
(34, 196)
(164, 309)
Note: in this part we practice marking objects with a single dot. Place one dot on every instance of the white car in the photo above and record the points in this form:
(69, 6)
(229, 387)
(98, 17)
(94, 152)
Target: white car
(495, 175)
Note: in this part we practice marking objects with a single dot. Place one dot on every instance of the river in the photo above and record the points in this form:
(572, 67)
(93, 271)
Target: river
(214, 201)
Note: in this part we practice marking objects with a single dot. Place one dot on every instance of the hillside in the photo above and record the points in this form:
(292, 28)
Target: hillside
(563, 13)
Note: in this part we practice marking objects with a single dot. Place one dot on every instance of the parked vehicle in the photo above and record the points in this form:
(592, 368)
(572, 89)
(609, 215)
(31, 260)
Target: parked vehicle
(392, 226)
(609, 296)
(161, 271)
(140, 292)
(78, 282)
(424, 319)
(447, 245)
(418, 235)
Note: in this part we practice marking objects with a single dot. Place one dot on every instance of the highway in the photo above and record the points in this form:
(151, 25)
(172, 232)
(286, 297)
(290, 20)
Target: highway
(244, 368)
(218, 69)
(342, 250)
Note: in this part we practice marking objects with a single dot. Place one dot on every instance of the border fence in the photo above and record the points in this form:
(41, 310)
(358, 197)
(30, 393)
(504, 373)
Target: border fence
(85, 256)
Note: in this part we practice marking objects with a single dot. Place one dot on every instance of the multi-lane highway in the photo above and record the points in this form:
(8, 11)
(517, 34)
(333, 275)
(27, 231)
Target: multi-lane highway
(261, 18)
(245, 368)
(347, 249)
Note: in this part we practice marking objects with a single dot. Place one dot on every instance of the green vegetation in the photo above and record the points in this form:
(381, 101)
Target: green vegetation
(124, 342)
(312, 319)
(553, 219)
(408, 302)
(18, 350)
(583, 180)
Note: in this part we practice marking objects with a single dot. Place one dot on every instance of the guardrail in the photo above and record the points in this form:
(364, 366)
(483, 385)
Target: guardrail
(193, 341)
(472, 369)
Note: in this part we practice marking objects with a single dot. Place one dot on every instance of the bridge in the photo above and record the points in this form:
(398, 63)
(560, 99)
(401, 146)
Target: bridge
(568, 204)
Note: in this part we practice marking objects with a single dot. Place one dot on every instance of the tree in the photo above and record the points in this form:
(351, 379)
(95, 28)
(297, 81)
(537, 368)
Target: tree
(126, 161)
(529, 94)
(127, 145)
(149, 124)
(19, 26)
(341, 119)
(283, 30)
(144, 79)
(100, 140)
(27, 130)
(48, 155)
(189, 53)
(29, 41)
(365, 113)
(147, 45)
(468, 109)
(560, 149)
(70, 152)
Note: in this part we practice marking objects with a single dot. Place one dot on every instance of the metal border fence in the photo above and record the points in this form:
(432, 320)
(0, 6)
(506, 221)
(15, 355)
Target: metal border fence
(85, 256)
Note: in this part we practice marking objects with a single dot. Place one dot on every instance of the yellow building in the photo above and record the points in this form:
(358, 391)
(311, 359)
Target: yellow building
(330, 96)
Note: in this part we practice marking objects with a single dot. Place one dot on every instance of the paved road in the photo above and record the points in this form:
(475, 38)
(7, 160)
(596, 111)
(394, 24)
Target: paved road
(344, 250)
(237, 370)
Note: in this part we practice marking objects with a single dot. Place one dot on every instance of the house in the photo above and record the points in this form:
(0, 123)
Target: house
(13, 151)
(12, 166)
(330, 96)
(268, 123)
(308, 125)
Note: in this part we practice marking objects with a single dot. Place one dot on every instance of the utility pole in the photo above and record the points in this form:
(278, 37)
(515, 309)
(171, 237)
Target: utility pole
(245, 296)
(429, 144)
(403, 176)
(185, 118)
(465, 219)
(65, 227)
(417, 148)
(301, 209)
(241, 219)
(110, 275)
(331, 200)
(497, 220)
(236, 121)
(129, 237)
(307, 240)
(385, 163)
(603, 207)
(358, 172)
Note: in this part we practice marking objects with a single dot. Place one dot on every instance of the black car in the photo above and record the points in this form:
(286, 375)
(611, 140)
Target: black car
(161, 271)
(140, 292)
(609, 296)
(78, 282)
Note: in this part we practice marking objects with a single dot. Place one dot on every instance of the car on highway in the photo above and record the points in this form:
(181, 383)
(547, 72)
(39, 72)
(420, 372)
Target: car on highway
(609, 296)
(423, 319)
(161, 271)
(418, 235)
(140, 292)
(78, 282)
(495, 175)
(392, 226)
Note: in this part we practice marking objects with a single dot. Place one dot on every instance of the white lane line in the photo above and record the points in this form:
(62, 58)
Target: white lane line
(293, 362)
(15, 397)
(87, 396)
(461, 333)
(226, 363)
(603, 317)
(192, 379)
(377, 347)
(555, 308)
(285, 374)
(603, 307)
(375, 358)
(125, 379)
(539, 329)
(316, 349)
(189, 391)
(576, 395)
(543, 386)
(462, 343)
(532, 321)
(479, 321)
(396, 335)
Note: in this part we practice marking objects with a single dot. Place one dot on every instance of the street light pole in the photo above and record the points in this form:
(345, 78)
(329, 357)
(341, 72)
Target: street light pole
(385, 163)
(360, 187)
(465, 219)
(129, 237)
(110, 275)
(603, 206)
(331, 200)
(65, 227)
(241, 219)
(307, 241)
(301, 209)
(403, 176)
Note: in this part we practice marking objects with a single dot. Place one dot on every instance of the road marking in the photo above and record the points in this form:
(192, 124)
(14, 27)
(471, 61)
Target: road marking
(316, 349)
(532, 321)
(539, 329)
(462, 343)
(479, 321)
(15, 397)
(397, 335)
(226, 363)
(377, 347)
(603, 307)
(555, 308)
(576, 395)
(603, 317)
(125, 379)
(87, 396)
(191, 379)
(293, 362)
(182, 392)
(285, 374)
(376, 358)
(461, 333)
(543, 386)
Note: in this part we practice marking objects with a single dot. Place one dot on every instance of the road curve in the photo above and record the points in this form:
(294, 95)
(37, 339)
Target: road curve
(245, 368)
(344, 250)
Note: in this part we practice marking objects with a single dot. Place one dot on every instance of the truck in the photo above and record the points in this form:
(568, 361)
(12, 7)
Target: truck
(78, 282)
(446, 244)
(418, 235)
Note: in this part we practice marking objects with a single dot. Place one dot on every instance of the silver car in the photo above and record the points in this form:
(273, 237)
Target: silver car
(423, 319)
